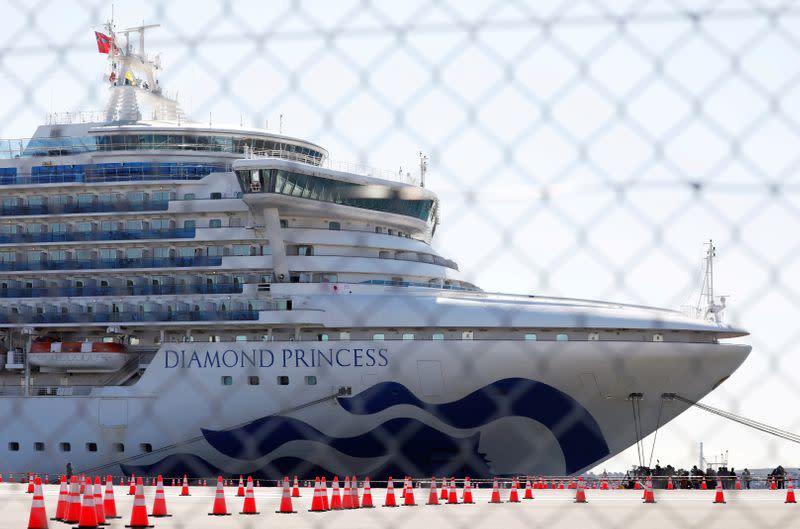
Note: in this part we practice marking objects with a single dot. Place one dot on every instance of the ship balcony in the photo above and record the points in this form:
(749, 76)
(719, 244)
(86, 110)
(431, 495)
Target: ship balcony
(116, 235)
(95, 264)
(113, 172)
(61, 209)
(133, 290)
(52, 316)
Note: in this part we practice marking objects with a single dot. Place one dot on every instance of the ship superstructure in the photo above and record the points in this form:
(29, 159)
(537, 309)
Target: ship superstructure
(181, 297)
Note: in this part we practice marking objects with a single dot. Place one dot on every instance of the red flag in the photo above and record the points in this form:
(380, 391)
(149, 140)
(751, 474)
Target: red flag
(103, 42)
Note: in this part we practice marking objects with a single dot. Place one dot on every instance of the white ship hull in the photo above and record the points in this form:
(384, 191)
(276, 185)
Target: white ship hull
(493, 407)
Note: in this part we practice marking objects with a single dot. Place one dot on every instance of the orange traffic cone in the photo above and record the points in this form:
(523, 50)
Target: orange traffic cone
(670, 486)
(433, 496)
(295, 489)
(649, 497)
(390, 500)
(452, 497)
(719, 497)
(249, 506)
(47, 479)
(513, 496)
(240, 490)
(336, 499)
(637, 485)
(408, 497)
(323, 492)
(772, 484)
(703, 484)
(528, 489)
(220, 507)
(443, 493)
(159, 502)
(286, 498)
(109, 504)
(738, 483)
(495, 493)
(347, 499)
(132, 488)
(100, 511)
(317, 504)
(580, 492)
(185, 487)
(366, 498)
(139, 513)
(354, 503)
(63, 498)
(88, 517)
(38, 516)
(30, 484)
(789, 490)
(467, 497)
(73, 507)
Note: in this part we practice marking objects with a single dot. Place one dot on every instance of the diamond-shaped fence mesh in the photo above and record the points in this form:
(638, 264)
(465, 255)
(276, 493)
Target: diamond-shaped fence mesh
(579, 149)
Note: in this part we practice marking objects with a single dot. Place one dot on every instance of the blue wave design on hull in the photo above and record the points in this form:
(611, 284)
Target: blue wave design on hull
(578, 434)
(416, 447)
(404, 438)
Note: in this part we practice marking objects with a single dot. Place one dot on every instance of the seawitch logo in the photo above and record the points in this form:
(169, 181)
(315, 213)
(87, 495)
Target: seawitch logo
(285, 358)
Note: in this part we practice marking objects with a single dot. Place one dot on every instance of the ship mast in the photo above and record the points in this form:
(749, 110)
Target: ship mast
(707, 304)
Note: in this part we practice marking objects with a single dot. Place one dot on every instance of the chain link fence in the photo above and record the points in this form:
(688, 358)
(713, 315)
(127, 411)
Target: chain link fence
(581, 149)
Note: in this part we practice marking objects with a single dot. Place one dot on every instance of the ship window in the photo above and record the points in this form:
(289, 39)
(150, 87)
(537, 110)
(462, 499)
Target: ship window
(241, 338)
(467, 335)
(344, 335)
(594, 336)
(561, 337)
(437, 336)
(188, 224)
(284, 223)
(65, 447)
(322, 337)
(658, 337)
(531, 337)
(91, 447)
(311, 380)
(215, 223)
(379, 336)
(283, 380)
(334, 226)
(13, 446)
(146, 447)
(188, 196)
(408, 336)
(253, 381)
(38, 446)
(119, 447)
(216, 196)
(227, 380)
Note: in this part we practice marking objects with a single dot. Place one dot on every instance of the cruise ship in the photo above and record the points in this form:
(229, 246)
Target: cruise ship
(182, 297)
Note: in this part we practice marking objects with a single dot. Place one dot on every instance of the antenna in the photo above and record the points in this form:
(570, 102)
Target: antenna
(280, 125)
(423, 168)
(707, 304)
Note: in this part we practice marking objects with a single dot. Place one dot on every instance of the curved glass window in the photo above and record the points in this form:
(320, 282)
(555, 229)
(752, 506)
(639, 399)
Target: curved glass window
(327, 190)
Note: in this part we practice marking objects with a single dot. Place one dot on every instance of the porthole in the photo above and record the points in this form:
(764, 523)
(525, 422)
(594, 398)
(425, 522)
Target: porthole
(65, 447)
(253, 381)
(146, 447)
(13, 446)
(311, 380)
(283, 380)
(38, 446)
(226, 380)
(91, 447)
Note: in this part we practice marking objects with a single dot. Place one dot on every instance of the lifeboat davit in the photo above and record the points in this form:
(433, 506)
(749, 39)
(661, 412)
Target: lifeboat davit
(78, 356)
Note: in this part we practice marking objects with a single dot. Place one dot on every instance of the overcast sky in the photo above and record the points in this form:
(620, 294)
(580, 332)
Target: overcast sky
(579, 156)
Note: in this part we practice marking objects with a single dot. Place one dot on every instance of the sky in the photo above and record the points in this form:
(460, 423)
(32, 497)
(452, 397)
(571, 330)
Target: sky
(578, 149)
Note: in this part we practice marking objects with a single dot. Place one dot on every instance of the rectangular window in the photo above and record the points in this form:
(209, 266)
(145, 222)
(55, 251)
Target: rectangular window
(379, 336)
(38, 446)
(161, 253)
(188, 196)
(108, 225)
(241, 338)
(437, 336)
(91, 447)
(561, 337)
(65, 447)
(467, 335)
(334, 226)
(83, 227)
(253, 381)
(531, 337)
(214, 223)
(119, 447)
(283, 380)
(227, 380)
(408, 336)
(134, 225)
(322, 337)
(241, 249)
(188, 224)
(134, 253)
(146, 447)
(311, 380)
(13, 446)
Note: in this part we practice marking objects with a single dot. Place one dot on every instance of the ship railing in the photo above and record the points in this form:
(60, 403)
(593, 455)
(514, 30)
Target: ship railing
(77, 207)
(131, 316)
(132, 290)
(77, 116)
(115, 235)
(95, 264)
(342, 166)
